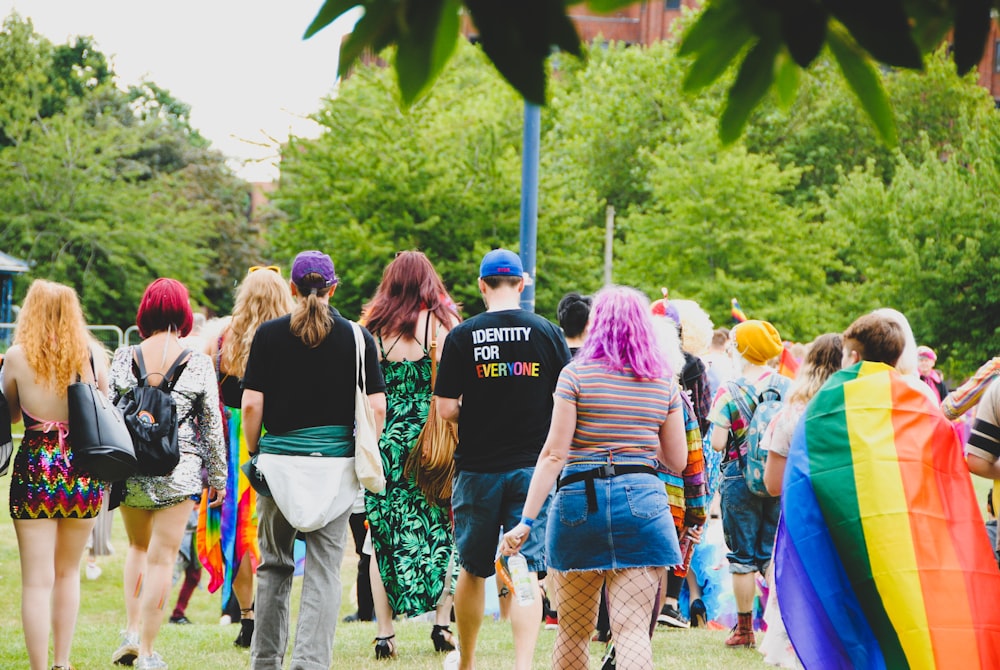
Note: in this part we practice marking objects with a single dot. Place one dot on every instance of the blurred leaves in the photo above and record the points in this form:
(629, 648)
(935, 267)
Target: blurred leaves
(519, 35)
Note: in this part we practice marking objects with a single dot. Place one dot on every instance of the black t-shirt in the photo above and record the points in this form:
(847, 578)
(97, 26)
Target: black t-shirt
(306, 387)
(504, 365)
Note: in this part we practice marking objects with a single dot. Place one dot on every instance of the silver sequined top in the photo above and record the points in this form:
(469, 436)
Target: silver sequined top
(200, 437)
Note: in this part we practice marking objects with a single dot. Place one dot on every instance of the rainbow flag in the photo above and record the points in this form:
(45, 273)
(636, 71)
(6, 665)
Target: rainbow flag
(787, 365)
(738, 315)
(228, 533)
(882, 559)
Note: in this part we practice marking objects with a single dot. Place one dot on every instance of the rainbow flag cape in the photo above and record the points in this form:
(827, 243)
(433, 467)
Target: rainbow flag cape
(738, 315)
(228, 533)
(882, 559)
(787, 365)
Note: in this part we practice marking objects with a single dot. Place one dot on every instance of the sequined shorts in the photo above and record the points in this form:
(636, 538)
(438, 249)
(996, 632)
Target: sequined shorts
(45, 485)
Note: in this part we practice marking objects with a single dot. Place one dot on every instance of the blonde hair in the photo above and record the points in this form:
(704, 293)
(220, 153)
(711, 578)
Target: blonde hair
(311, 318)
(53, 334)
(696, 326)
(823, 358)
(262, 296)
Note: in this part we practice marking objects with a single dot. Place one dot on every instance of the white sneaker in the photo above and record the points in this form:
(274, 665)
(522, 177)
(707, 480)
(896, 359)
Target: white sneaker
(128, 651)
(152, 662)
(93, 571)
(451, 661)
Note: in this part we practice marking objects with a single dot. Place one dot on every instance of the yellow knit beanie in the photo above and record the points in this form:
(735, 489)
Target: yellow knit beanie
(757, 341)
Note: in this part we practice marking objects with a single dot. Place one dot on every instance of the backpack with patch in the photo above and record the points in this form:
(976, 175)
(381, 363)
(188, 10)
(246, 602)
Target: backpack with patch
(151, 416)
(765, 407)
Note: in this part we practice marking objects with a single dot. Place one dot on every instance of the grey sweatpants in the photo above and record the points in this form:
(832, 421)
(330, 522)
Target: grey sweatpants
(320, 604)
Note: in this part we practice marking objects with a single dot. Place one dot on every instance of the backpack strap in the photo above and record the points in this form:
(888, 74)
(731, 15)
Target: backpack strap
(168, 381)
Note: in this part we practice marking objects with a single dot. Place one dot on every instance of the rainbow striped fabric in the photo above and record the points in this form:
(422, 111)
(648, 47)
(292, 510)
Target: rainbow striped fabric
(228, 533)
(882, 559)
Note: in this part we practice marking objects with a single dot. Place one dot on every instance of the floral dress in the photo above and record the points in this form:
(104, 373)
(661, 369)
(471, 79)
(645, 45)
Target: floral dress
(412, 538)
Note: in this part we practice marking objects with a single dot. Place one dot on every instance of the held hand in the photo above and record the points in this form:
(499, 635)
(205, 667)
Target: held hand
(513, 539)
(215, 496)
(695, 533)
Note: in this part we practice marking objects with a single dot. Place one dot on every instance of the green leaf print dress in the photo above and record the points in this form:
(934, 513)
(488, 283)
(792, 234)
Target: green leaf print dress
(412, 538)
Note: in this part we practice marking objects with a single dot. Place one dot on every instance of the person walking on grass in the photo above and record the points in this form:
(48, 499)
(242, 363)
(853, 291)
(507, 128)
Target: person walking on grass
(53, 504)
(496, 378)
(299, 385)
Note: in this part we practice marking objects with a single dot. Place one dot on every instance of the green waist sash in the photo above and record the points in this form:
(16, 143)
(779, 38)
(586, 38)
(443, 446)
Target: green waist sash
(329, 441)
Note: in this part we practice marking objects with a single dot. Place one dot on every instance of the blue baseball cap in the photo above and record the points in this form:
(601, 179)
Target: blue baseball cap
(501, 263)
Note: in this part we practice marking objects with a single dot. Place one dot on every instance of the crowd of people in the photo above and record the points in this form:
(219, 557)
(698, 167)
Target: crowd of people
(591, 458)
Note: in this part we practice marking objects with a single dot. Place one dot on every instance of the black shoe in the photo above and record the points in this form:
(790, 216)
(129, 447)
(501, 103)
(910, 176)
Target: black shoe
(246, 634)
(385, 647)
(670, 616)
(443, 638)
(699, 615)
(180, 619)
(354, 618)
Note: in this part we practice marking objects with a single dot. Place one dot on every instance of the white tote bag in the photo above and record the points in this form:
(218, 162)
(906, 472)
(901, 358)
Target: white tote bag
(310, 491)
(367, 459)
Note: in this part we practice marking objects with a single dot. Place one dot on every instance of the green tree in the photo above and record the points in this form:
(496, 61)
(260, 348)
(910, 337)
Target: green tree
(106, 190)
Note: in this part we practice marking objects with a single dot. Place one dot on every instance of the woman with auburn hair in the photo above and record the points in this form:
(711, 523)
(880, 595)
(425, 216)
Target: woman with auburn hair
(227, 535)
(155, 509)
(53, 505)
(617, 415)
(411, 537)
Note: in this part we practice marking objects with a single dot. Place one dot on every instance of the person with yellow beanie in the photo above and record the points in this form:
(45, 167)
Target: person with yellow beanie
(749, 522)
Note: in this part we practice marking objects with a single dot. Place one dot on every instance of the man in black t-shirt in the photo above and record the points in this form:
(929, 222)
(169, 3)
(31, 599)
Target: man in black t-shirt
(497, 374)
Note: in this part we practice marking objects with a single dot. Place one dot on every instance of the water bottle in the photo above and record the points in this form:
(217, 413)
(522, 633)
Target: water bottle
(524, 586)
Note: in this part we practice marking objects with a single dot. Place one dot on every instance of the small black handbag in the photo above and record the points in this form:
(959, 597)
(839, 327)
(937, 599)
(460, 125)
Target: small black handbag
(100, 440)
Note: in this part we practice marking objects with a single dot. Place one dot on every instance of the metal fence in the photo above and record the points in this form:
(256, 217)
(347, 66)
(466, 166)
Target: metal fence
(111, 337)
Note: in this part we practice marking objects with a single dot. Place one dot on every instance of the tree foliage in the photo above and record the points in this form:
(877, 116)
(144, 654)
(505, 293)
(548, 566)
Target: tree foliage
(768, 40)
(794, 221)
(105, 189)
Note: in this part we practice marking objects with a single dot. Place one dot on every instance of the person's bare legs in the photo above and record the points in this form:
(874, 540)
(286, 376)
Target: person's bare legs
(148, 569)
(579, 595)
(744, 589)
(36, 544)
(383, 613)
(525, 622)
(470, 606)
(243, 586)
(71, 542)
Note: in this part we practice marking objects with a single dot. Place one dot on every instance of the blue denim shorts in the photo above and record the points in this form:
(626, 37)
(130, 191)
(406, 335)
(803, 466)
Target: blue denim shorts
(632, 527)
(485, 502)
(749, 522)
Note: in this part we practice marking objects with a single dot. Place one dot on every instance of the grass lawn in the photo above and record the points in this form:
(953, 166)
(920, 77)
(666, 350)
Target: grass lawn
(209, 646)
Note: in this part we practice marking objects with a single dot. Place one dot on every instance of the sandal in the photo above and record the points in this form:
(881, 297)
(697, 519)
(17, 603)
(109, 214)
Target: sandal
(443, 638)
(385, 647)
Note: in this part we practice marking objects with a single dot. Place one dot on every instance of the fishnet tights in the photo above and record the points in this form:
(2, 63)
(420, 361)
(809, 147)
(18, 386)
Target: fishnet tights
(633, 595)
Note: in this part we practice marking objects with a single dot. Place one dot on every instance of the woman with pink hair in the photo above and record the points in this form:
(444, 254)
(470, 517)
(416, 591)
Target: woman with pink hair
(617, 415)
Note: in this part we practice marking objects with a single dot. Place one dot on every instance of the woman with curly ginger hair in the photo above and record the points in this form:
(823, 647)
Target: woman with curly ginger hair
(232, 557)
(53, 504)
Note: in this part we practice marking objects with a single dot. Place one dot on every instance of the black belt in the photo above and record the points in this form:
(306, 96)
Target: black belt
(603, 472)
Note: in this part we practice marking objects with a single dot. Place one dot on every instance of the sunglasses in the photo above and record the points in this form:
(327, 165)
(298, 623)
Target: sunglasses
(272, 268)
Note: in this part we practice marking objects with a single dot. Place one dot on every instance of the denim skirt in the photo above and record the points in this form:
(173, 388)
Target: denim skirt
(632, 527)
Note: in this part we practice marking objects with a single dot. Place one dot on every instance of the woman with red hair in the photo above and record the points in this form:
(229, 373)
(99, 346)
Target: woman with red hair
(155, 509)
(411, 537)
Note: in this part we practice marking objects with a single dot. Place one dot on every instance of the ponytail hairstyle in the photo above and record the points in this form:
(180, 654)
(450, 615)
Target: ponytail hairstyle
(311, 318)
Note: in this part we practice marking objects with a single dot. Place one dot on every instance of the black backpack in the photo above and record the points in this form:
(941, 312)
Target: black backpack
(151, 416)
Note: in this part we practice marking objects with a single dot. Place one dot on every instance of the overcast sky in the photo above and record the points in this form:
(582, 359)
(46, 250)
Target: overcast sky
(242, 66)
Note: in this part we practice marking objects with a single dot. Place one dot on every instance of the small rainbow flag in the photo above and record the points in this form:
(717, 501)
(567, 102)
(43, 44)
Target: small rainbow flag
(881, 559)
(738, 315)
(787, 365)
